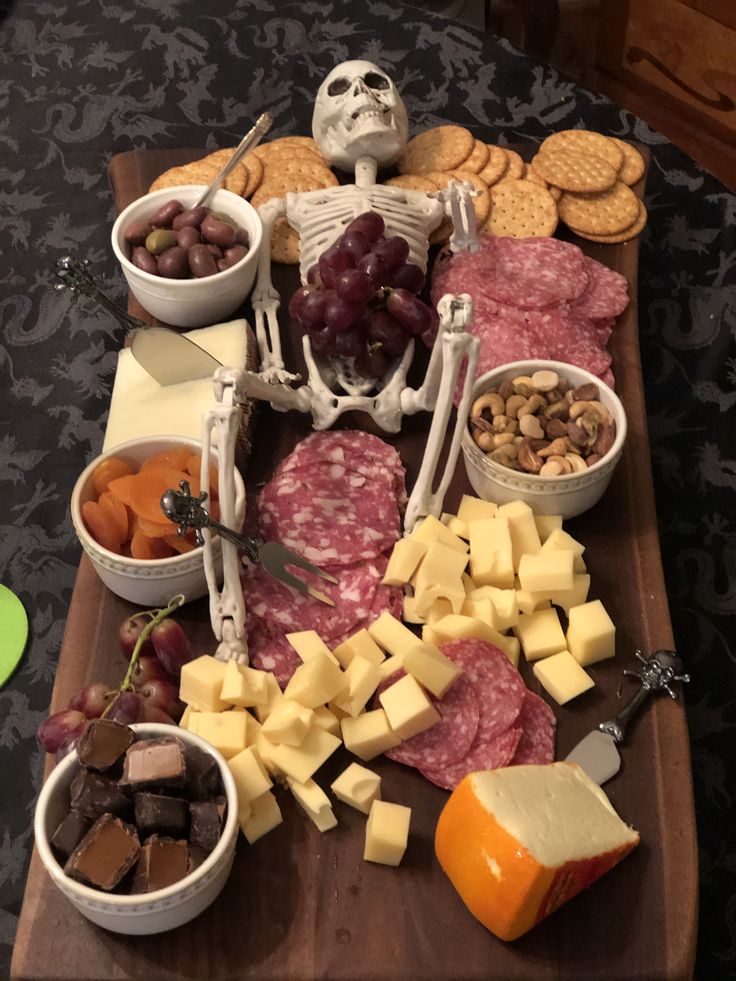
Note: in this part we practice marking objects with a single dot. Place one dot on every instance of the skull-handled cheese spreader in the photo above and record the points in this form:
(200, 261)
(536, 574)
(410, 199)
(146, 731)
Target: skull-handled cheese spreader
(187, 512)
(596, 753)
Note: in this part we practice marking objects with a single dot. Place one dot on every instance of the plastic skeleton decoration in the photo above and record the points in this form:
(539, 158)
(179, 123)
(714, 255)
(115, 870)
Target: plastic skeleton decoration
(360, 124)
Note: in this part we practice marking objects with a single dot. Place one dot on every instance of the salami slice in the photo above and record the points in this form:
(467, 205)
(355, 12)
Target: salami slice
(499, 687)
(490, 754)
(448, 740)
(273, 654)
(538, 723)
(607, 293)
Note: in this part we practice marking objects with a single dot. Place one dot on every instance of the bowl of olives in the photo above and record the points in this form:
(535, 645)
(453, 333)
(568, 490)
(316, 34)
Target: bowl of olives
(188, 266)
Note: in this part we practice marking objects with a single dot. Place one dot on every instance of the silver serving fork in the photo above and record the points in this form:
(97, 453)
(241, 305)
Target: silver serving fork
(187, 512)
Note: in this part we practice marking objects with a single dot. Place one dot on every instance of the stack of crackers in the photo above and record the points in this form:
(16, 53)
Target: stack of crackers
(524, 200)
(291, 163)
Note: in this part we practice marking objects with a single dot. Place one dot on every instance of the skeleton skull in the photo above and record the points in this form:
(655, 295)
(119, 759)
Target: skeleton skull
(358, 112)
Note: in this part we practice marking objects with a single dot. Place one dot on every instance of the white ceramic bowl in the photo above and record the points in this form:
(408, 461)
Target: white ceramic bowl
(152, 912)
(568, 494)
(190, 302)
(148, 582)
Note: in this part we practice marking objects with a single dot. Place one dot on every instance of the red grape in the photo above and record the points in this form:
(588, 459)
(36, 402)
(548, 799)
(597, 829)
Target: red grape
(312, 309)
(332, 262)
(323, 341)
(130, 630)
(92, 700)
(369, 223)
(374, 266)
(313, 277)
(171, 645)
(355, 243)
(127, 708)
(411, 313)
(349, 343)
(297, 300)
(163, 695)
(394, 251)
(60, 729)
(372, 363)
(149, 668)
(407, 277)
(339, 314)
(430, 334)
(354, 286)
(384, 330)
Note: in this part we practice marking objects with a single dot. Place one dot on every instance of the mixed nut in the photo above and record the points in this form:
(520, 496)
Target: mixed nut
(540, 424)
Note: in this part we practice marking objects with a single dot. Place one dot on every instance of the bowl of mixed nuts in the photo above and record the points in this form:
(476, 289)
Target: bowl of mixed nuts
(544, 432)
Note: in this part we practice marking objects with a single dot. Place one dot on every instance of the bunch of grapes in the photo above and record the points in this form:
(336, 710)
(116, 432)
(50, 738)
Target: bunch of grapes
(361, 299)
(156, 647)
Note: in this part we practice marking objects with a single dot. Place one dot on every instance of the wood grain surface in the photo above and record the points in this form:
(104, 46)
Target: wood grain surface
(304, 905)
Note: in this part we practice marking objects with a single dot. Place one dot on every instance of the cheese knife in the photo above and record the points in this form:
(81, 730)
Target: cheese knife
(170, 357)
(597, 752)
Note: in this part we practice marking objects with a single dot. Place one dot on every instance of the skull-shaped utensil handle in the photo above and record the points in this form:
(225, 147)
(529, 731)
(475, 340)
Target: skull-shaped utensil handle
(76, 277)
(188, 512)
(657, 674)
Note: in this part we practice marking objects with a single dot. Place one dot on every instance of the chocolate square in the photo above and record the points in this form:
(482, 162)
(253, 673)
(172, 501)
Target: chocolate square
(203, 774)
(160, 814)
(94, 794)
(154, 763)
(106, 853)
(69, 833)
(205, 823)
(162, 862)
(103, 742)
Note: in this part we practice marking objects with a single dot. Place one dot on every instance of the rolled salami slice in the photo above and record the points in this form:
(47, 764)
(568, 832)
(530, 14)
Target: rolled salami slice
(538, 723)
(489, 754)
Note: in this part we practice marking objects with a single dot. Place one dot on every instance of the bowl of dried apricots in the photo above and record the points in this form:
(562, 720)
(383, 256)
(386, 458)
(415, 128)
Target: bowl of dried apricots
(116, 511)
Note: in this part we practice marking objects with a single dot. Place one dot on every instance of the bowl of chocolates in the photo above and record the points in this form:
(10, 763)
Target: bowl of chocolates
(188, 266)
(137, 826)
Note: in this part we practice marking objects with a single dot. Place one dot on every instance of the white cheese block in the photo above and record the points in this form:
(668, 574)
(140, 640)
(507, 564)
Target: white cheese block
(591, 634)
(359, 644)
(358, 787)
(386, 833)
(540, 634)
(369, 734)
(263, 815)
(431, 529)
(474, 509)
(243, 686)
(314, 802)
(406, 555)
(316, 681)
(559, 539)
(545, 572)
(562, 677)
(407, 708)
(141, 407)
(432, 669)
(289, 723)
(455, 524)
(307, 643)
(546, 524)
(300, 762)
(491, 555)
(361, 680)
(250, 775)
(524, 534)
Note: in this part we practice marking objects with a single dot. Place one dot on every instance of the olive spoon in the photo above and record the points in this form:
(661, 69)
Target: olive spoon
(252, 138)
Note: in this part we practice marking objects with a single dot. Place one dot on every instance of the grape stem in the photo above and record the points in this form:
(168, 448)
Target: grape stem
(156, 615)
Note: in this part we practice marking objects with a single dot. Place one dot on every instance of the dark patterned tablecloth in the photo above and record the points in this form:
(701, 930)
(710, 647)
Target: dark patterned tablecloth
(86, 79)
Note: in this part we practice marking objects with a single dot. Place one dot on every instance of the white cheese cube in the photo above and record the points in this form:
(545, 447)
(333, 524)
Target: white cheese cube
(529, 602)
(524, 534)
(540, 634)
(273, 697)
(307, 643)
(450, 593)
(546, 524)
(505, 614)
(314, 802)
(226, 731)
(406, 555)
(567, 598)
(545, 572)
(386, 833)
(289, 723)
(392, 664)
(326, 719)
(358, 787)
(200, 683)
(468, 584)
(250, 775)
(439, 574)
(407, 708)
(475, 509)
(392, 635)
(184, 721)
(362, 679)
(369, 734)
(591, 634)
(455, 524)
(252, 728)
(562, 677)
(440, 608)
(432, 669)
(429, 636)
(410, 614)
(243, 686)
(559, 539)
(491, 556)
(264, 814)
(360, 644)
(315, 682)
(300, 762)
(265, 749)
(481, 608)
(430, 530)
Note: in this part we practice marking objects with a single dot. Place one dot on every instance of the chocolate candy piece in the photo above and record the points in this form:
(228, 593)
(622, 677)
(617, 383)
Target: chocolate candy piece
(197, 855)
(106, 853)
(154, 763)
(102, 743)
(203, 774)
(205, 823)
(93, 794)
(162, 862)
(156, 813)
(69, 833)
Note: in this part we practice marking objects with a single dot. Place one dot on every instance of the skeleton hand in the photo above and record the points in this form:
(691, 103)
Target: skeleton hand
(278, 376)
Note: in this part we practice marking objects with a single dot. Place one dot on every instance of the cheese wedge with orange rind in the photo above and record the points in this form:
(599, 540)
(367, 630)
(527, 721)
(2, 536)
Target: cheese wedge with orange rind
(519, 842)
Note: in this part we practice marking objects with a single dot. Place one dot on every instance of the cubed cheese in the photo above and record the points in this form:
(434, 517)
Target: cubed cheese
(360, 644)
(432, 530)
(540, 634)
(315, 682)
(505, 612)
(406, 555)
(392, 635)
(369, 734)
(358, 787)
(300, 762)
(559, 539)
(243, 686)
(439, 574)
(250, 775)
(546, 524)
(289, 723)
(440, 608)
(226, 731)
(263, 815)
(432, 669)
(386, 833)
(528, 602)
(491, 556)
(455, 524)
(361, 680)
(273, 697)
(511, 838)
(545, 572)
(562, 677)
(474, 509)
(524, 534)
(200, 683)
(591, 634)
(567, 598)
(410, 614)
(326, 719)
(314, 802)
(407, 708)
(307, 643)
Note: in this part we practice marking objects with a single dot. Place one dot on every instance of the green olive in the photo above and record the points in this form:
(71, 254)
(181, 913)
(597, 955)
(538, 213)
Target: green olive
(228, 219)
(159, 240)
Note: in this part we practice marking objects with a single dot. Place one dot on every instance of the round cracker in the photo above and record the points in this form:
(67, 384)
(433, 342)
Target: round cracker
(179, 176)
(440, 148)
(623, 236)
(584, 141)
(515, 168)
(302, 168)
(278, 148)
(573, 171)
(441, 233)
(412, 182)
(521, 209)
(496, 167)
(606, 213)
(284, 243)
(478, 158)
(254, 169)
(280, 187)
(482, 201)
(633, 167)
(239, 173)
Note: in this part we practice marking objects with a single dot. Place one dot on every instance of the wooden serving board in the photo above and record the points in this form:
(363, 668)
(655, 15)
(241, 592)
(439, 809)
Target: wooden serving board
(304, 905)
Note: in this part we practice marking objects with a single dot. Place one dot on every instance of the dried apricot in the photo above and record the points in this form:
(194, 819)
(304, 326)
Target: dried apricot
(143, 547)
(181, 543)
(102, 527)
(107, 470)
(194, 467)
(117, 511)
(150, 485)
(122, 488)
(155, 529)
(174, 459)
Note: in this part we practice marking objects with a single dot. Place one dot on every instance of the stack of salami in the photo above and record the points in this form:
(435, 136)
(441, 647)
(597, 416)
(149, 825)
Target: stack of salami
(336, 501)
(536, 298)
(489, 719)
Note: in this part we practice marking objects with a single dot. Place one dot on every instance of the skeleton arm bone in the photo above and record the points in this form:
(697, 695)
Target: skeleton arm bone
(266, 300)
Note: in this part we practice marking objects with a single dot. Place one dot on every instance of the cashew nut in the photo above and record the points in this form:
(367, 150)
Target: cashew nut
(504, 424)
(597, 408)
(558, 447)
(503, 439)
(528, 458)
(529, 425)
(576, 462)
(552, 468)
(545, 380)
(491, 401)
(513, 404)
(486, 441)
